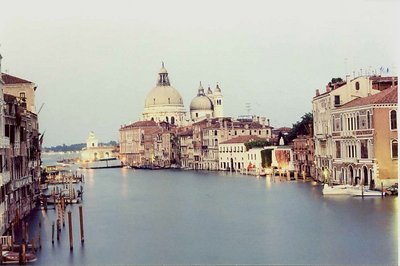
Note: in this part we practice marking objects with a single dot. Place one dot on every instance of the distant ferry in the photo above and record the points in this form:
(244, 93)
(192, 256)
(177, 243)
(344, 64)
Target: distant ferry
(111, 162)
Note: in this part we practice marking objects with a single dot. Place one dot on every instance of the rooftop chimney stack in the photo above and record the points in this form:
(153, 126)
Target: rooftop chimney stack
(317, 92)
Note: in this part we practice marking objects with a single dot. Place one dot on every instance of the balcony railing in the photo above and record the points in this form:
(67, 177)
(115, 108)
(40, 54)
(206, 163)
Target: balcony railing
(4, 142)
(21, 182)
(5, 177)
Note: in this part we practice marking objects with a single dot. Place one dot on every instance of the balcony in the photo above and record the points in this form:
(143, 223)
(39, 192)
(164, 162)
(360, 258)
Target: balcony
(18, 183)
(350, 160)
(5, 177)
(4, 142)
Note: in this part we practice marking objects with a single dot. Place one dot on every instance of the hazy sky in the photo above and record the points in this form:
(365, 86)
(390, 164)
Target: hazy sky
(95, 62)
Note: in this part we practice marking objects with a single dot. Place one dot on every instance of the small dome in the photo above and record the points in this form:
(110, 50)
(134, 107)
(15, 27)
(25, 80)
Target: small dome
(201, 102)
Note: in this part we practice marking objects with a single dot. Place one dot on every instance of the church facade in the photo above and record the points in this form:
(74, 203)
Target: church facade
(164, 103)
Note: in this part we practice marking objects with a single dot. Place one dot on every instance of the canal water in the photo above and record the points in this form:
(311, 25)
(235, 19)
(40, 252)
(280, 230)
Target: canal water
(187, 217)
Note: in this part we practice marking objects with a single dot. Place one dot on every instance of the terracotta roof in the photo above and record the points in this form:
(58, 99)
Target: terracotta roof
(242, 139)
(141, 124)
(385, 96)
(8, 79)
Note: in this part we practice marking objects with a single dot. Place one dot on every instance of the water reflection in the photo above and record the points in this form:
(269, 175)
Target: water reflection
(186, 217)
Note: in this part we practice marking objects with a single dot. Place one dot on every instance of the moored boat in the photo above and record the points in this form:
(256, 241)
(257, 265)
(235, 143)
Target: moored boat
(360, 191)
(336, 190)
(12, 257)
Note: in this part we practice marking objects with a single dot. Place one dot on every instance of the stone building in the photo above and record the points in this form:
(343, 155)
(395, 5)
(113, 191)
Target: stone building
(365, 140)
(94, 152)
(186, 148)
(147, 143)
(336, 95)
(303, 155)
(19, 150)
(208, 133)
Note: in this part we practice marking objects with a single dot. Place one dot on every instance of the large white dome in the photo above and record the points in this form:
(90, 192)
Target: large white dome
(163, 95)
(164, 102)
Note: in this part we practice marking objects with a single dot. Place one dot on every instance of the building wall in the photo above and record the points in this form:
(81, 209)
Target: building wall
(28, 89)
(232, 156)
(388, 166)
(322, 115)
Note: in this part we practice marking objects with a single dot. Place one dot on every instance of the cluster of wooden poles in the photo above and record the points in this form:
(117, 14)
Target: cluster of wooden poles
(61, 219)
(283, 176)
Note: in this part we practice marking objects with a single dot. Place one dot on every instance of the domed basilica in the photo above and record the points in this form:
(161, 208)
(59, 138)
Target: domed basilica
(164, 103)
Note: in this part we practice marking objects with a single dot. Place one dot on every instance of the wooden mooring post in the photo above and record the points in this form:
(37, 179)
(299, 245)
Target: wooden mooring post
(81, 223)
(71, 241)
(382, 189)
(22, 254)
(26, 232)
(52, 233)
(58, 229)
(63, 210)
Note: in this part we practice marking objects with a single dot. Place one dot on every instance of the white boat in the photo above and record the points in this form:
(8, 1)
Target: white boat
(359, 191)
(336, 190)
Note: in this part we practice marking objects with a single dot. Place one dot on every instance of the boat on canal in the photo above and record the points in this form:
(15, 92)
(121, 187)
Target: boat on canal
(361, 191)
(336, 190)
(355, 191)
(12, 257)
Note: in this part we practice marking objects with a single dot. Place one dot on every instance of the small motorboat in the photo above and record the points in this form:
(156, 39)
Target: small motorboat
(12, 257)
(336, 190)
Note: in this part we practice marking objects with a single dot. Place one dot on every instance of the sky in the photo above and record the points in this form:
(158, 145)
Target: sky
(94, 62)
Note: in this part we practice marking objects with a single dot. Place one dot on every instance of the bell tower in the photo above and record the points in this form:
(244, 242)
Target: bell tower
(218, 102)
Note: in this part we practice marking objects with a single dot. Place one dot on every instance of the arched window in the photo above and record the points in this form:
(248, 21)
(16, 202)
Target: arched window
(357, 85)
(166, 119)
(169, 100)
(172, 120)
(394, 149)
(154, 100)
(393, 119)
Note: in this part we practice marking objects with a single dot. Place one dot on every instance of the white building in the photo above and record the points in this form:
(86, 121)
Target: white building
(164, 102)
(233, 153)
(93, 152)
(207, 106)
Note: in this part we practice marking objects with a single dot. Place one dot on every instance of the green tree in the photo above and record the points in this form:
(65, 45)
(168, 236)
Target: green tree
(301, 127)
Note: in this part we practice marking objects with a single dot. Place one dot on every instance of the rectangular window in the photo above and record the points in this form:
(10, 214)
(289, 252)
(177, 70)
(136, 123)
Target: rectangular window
(338, 150)
(337, 100)
(7, 130)
(394, 149)
(364, 148)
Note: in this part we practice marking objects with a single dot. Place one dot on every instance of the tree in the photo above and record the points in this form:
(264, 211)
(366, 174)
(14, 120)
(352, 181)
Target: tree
(257, 144)
(302, 127)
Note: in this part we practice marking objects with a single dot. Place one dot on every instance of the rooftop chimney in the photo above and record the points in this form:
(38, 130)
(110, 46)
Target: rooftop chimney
(317, 92)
